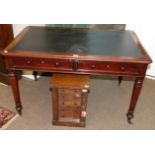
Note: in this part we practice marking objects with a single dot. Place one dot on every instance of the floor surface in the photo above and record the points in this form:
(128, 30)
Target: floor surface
(107, 105)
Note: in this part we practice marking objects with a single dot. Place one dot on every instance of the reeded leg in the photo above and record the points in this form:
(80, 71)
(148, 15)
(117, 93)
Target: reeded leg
(15, 88)
(120, 78)
(135, 94)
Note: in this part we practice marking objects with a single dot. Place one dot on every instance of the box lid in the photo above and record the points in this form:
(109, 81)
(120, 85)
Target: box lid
(70, 81)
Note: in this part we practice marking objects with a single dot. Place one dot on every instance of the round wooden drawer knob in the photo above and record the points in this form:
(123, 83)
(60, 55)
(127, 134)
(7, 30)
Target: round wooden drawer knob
(76, 103)
(122, 68)
(29, 62)
(77, 95)
(57, 64)
(93, 66)
(42, 62)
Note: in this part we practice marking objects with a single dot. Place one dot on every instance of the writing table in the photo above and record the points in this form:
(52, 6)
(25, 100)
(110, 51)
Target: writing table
(77, 51)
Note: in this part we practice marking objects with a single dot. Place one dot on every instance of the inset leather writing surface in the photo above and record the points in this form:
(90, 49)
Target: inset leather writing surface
(78, 41)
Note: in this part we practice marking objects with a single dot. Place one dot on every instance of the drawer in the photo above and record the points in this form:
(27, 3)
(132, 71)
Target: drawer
(108, 67)
(71, 112)
(69, 97)
(75, 92)
(42, 63)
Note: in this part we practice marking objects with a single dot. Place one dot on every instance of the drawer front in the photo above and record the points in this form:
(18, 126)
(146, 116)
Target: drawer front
(69, 101)
(69, 97)
(51, 64)
(70, 112)
(108, 68)
(79, 66)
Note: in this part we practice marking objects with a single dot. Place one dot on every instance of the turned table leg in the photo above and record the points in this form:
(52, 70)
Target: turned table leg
(15, 88)
(120, 78)
(135, 94)
(35, 73)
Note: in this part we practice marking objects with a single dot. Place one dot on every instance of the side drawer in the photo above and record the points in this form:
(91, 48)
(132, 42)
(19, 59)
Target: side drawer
(108, 67)
(53, 64)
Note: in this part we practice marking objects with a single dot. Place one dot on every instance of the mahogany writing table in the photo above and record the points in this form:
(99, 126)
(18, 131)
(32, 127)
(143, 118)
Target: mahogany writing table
(77, 51)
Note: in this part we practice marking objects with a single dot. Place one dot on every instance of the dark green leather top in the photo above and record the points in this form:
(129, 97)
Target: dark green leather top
(78, 41)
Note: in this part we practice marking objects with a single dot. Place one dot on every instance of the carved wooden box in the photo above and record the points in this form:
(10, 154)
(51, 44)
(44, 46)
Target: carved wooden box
(69, 99)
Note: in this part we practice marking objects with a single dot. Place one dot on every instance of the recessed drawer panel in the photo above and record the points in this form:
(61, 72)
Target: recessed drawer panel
(69, 97)
(108, 67)
(73, 112)
(42, 63)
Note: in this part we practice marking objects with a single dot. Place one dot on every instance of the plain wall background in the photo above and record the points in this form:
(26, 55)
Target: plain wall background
(146, 34)
(19, 27)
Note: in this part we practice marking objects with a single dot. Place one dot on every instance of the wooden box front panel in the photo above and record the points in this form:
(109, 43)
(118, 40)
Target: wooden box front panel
(69, 102)
(69, 96)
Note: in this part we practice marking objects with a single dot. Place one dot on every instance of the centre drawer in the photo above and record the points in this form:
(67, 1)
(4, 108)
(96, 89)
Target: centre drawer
(42, 63)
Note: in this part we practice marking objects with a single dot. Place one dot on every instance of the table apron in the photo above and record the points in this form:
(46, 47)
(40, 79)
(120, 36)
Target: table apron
(76, 66)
